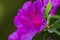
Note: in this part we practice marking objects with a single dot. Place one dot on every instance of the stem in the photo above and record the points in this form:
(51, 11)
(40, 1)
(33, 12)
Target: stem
(57, 32)
(48, 20)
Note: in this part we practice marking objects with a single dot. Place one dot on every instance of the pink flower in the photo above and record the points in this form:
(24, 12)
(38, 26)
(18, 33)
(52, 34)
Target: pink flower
(29, 21)
(55, 4)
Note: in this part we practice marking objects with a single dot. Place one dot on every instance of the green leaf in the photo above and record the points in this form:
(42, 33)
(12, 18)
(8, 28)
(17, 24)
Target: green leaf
(56, 24)
(54, 27)
(56, 16)
(48, 8)
(54, 30)
(51, 30)
(57, 32)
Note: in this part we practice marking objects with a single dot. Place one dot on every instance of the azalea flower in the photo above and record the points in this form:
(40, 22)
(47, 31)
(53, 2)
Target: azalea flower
(29, 21)
(55, 4)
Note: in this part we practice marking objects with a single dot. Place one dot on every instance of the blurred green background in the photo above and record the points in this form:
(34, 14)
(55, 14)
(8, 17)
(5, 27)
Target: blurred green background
(8, 9)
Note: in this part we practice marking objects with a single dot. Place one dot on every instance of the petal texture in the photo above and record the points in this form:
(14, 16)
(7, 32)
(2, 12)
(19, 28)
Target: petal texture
(29, 21)
(55, 4)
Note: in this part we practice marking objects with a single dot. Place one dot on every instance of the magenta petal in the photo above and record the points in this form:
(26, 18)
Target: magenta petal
(29, 35)
(55, 4)
(22, 34)
(17, 34)
(52, 12)
(18, 22)
(13, 36)
(26, 5)
(35, 12)
(29, 21)
(43, 25)
(46, 2)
